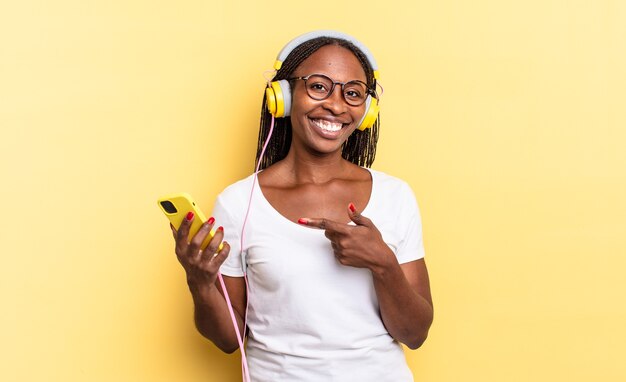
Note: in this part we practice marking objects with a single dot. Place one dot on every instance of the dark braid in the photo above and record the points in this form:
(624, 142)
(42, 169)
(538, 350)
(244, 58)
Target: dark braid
(359, 148)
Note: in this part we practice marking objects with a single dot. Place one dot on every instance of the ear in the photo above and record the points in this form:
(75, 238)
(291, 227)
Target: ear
(371, 113)
(278, 98)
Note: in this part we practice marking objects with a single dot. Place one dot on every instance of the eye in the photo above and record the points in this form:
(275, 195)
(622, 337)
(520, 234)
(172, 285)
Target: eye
(354, 91)
(318, 87)
(354, 94)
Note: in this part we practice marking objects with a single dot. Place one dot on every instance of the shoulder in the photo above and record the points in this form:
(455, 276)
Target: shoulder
(274, 176)
(237, 192)
(392, 193)
(386, 183)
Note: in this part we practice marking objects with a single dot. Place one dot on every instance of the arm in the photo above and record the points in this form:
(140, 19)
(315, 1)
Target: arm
(211, 315)
(405, 301)
(403, 291)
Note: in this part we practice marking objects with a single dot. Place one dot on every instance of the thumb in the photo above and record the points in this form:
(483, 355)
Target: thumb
(356, 217)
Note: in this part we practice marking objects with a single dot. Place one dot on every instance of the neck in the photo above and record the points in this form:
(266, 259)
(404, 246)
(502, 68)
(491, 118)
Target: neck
(310, 168)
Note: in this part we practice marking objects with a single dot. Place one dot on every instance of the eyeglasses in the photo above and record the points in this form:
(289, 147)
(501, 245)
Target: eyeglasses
(319, 87)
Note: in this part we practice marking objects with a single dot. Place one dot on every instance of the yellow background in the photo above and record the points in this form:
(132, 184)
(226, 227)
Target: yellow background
(506, 117)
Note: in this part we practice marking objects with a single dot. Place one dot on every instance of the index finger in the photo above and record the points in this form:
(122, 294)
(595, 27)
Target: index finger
(321, 223)
(183, 230)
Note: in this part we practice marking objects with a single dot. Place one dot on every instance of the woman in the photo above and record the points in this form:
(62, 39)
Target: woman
(333, 250)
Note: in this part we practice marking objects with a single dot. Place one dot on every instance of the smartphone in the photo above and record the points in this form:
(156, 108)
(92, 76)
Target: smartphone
(176, 206)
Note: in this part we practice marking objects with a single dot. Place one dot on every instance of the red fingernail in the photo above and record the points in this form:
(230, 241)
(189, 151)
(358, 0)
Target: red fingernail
(303, 221)
(189, 216)
(352, 207)
(220, 228)
(211, 220)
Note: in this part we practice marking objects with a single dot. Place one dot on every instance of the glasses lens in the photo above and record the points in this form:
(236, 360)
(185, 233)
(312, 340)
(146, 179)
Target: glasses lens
(318, 86)
(355, 92)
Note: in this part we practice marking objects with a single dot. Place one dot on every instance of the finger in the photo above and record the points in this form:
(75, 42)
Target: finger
(183, 230)
(215, 243)
(173, 230)
(200, 236)
(332, 235)
(357, 218)
(321, 223)
(208, 257)
(218, 259)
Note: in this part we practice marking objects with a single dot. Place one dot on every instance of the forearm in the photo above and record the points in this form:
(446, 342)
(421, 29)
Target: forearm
(407, 315)
(212, 317)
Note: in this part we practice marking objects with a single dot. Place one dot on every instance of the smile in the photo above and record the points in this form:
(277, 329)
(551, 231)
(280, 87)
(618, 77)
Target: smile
(328, 126)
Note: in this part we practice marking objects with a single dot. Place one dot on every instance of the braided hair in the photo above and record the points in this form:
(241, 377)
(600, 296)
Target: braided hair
(359, 148)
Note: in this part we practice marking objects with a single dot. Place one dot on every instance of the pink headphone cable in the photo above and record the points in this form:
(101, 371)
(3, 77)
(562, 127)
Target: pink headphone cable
(244, 362)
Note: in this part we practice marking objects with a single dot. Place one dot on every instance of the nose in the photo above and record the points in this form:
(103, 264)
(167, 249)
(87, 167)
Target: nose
(335, 102)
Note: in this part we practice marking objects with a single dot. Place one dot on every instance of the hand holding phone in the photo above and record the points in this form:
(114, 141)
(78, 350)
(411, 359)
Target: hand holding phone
(177, 206)
(193, 235)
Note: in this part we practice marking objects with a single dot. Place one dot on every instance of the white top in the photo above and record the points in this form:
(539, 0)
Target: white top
(311, 318)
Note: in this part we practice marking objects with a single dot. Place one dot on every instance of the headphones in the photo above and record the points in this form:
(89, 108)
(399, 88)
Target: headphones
(278, 93)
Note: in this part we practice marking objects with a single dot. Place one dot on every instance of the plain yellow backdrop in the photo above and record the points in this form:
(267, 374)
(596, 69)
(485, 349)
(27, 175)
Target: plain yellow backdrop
(506, 117)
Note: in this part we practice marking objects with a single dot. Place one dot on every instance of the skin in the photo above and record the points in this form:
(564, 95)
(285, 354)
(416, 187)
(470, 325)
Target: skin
(316, 187)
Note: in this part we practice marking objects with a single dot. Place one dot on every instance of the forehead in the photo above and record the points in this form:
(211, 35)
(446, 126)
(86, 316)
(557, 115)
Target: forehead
(335, 61)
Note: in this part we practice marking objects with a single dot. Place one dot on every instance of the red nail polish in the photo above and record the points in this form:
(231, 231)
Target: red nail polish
(352, 207)
(303, 221)
(211, 220)
(189, 216)
(220, 228)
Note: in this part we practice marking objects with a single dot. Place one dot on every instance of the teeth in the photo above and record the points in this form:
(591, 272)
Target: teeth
(326, 125)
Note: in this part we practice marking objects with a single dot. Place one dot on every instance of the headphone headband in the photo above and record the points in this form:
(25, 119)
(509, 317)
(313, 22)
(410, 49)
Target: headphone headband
(278, 93)
(282, 55)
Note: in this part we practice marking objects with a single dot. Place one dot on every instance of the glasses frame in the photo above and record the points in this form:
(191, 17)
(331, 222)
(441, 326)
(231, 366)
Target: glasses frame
(368, 90)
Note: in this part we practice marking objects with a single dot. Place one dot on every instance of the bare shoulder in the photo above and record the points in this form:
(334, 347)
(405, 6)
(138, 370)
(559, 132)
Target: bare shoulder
(359, 174)
(274, 176)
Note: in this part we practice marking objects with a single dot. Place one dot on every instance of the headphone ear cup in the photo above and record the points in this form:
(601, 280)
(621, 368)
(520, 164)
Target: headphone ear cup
(278, 98)
(371, 113)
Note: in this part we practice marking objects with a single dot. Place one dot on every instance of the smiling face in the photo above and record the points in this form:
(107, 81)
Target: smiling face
(321, 127)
